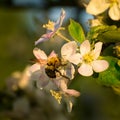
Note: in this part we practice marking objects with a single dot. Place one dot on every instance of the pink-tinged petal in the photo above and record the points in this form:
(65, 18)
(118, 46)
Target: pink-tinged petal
(100, 65)
(60, 82)
(60, 19)
(72, 92)
(114, 12)
(68, 49)
(52, 54)
(85, 47)
(34, 67)
(97, 50)
(45, 37)
(96, 7)
(39, 54)
(75, 59)
(63, 84)
(41, 39)
(85, 70)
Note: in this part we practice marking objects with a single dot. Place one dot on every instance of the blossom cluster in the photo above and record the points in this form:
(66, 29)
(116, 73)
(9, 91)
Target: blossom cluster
(54, 73)
(96, 7)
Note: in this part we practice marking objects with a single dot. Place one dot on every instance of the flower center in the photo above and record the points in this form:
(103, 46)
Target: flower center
(56, 95)
(51, 68)
(49, 26)
(88, 58)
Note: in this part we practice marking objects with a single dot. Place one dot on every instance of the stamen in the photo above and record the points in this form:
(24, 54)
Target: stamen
(88, 58)
(63, 37)
(56, 95)
(49, 26)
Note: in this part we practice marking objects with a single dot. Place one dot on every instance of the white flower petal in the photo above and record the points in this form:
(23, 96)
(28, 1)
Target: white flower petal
(69, 71)
(42, 81)
(96, 7)
(85, 70)
(85, 47)
(60, 19)
(68, 49)
(75, 59)
(114, 12)
(52, 54)
(100, 65)
(39, 54)
(35, 75)
(34, 67)
(97, 50)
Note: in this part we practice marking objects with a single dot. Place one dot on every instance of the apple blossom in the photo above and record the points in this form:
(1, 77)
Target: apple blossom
(52, 28)
(64, 92)
(86, 59)
(89, 59)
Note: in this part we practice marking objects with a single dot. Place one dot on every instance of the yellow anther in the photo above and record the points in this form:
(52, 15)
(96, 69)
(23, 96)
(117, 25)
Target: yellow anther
(56, 95)
(88, 58)
(49, 26)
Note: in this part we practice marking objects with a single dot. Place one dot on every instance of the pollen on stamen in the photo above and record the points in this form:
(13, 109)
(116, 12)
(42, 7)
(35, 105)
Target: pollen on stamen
(88, 58)
(56, 95)
(49, 26)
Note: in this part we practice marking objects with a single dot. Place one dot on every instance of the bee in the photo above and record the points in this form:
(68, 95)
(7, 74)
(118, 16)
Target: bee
(52, 66)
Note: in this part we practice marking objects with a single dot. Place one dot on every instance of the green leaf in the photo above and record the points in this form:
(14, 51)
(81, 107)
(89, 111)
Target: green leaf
(104, 34)
(76, 31)
(110, 77)
(110, 36)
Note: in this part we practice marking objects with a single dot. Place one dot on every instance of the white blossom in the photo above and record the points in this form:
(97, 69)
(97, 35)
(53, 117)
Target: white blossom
(86, 59)
(97, 7)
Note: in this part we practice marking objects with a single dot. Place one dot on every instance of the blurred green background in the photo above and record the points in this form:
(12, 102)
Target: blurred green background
(20, 26)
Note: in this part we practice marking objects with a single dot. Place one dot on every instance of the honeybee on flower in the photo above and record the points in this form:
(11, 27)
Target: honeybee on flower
(50, 73)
